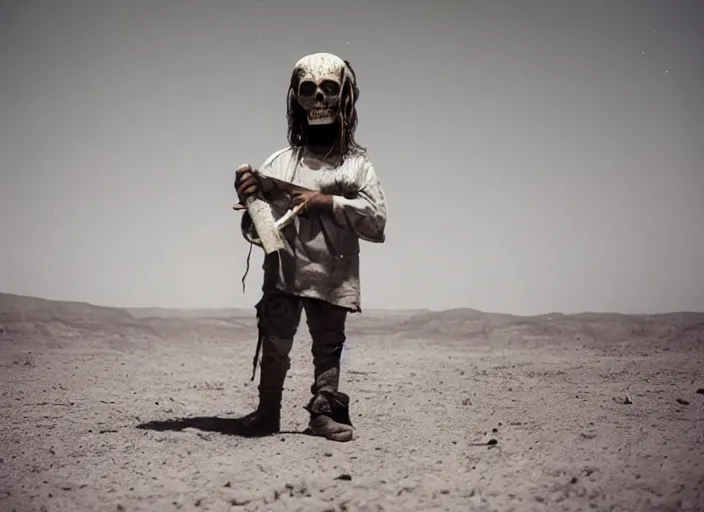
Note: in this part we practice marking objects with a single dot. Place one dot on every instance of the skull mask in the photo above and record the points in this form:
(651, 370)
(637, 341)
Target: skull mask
(321, 76)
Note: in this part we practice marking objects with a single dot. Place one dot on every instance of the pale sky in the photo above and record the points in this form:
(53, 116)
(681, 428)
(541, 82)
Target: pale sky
(537, 156)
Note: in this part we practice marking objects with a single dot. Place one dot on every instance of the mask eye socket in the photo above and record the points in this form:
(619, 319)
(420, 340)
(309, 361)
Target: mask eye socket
(330, 88)
(307, 88)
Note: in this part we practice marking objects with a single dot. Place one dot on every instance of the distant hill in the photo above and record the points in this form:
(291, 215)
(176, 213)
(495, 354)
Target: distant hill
(16, 307)
(34, 317)
(20, 307)
(606, 327)
(189, 313)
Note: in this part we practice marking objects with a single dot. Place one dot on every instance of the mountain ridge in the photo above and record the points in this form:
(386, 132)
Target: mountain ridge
(27, 304)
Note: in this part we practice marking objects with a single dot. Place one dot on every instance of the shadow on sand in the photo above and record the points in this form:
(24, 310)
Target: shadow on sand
(227, 426)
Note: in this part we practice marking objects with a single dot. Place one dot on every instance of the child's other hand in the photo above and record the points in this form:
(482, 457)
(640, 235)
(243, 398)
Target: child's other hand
(313, 200)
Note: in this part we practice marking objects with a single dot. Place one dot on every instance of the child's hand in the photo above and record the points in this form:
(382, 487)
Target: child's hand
(246, 182)
(313, 200)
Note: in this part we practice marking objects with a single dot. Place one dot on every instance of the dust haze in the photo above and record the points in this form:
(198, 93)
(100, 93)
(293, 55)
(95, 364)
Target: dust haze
(114, 409)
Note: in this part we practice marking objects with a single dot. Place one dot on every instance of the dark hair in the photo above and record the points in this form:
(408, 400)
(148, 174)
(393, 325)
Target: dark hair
(298, 123)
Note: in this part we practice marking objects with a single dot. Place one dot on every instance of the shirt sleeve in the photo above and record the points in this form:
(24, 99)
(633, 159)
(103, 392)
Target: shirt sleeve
(365, 213)
(272, 167)
(275, 166)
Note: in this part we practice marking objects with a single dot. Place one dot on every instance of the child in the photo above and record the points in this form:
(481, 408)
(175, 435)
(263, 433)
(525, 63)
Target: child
(319, 268)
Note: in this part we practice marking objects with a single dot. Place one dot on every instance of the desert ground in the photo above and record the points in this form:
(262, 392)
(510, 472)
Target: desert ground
(112, 409)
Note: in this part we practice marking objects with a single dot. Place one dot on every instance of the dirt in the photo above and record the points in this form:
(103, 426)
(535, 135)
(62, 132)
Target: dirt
(109, 410)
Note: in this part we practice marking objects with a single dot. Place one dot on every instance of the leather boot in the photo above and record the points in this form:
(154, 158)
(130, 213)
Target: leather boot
(329, 416)
(329, 408)
(263, 421)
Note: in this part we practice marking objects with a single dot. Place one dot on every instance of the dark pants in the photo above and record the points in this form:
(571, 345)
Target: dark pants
(279, 316)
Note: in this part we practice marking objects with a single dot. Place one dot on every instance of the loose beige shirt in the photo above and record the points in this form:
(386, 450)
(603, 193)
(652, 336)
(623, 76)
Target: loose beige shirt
(321, 255)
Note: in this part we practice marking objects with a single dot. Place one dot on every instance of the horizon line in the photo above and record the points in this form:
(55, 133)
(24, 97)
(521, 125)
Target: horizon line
(416, 309)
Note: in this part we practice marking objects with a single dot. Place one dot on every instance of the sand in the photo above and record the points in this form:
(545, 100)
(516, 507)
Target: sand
(108, 409)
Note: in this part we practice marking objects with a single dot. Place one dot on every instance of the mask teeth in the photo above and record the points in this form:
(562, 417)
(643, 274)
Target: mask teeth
(321, 112)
